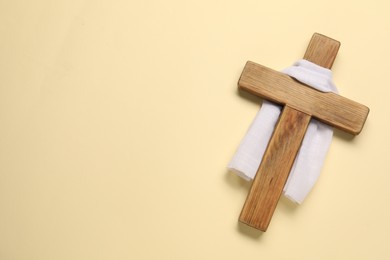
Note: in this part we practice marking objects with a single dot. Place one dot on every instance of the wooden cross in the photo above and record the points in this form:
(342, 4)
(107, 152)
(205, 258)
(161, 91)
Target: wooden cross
(301, 103)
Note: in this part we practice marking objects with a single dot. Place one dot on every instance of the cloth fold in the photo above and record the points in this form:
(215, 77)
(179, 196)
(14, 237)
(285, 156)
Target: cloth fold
(308, 163)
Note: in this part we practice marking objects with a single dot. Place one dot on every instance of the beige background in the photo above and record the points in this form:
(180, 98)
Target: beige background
(117, 120)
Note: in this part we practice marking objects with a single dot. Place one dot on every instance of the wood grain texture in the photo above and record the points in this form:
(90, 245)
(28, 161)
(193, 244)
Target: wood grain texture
(274, 169)
(280, 88)
(322, 50)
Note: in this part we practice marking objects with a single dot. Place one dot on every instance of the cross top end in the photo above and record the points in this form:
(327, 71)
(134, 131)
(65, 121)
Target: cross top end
(322, 50)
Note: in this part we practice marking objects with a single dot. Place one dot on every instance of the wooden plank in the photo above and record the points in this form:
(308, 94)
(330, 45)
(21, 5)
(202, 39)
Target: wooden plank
(280, 88)
(274, 169)
(322, 50)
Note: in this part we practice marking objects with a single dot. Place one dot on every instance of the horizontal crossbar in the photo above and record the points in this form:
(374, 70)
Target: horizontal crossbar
(280, 88)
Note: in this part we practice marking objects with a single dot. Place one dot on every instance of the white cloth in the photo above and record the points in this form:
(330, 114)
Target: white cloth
(310, 158)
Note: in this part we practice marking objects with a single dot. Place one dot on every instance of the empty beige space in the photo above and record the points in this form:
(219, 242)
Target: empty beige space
(118, 118)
